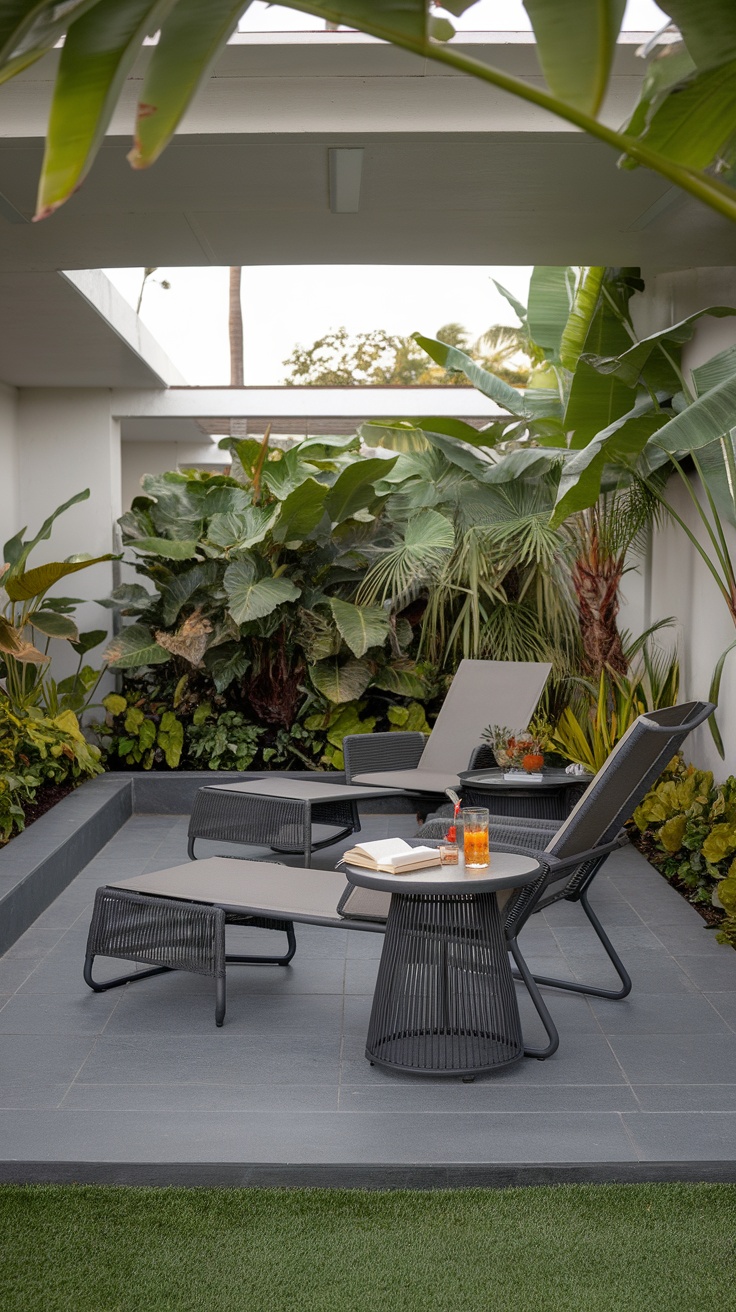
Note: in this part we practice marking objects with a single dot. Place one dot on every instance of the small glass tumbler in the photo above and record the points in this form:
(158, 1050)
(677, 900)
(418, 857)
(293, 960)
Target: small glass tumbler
(448, 846)
(475, 836)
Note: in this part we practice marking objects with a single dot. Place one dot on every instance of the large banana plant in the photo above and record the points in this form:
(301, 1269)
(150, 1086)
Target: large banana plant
(29, 616)
(683, 127)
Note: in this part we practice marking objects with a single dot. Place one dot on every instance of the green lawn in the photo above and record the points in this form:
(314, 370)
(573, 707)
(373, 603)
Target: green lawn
(598, 1247)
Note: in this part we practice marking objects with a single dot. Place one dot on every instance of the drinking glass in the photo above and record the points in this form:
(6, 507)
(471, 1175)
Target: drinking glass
(475, 836)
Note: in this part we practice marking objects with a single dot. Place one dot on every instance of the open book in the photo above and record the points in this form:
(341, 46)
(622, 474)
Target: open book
(392, 855)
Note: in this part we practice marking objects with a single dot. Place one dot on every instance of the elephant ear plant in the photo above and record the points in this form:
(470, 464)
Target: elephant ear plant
(253, 600)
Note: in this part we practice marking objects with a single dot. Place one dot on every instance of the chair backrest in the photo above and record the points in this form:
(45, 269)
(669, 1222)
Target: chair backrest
(482, 693)
(619, 786)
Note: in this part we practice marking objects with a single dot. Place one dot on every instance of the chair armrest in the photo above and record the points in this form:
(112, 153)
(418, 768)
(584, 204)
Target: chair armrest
(371, 753)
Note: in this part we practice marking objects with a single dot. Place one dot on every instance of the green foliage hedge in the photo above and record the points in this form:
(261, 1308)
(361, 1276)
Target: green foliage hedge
(38, 749)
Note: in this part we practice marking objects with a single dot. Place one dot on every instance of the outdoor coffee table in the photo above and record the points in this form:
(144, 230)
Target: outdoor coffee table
(552, 798)
(278, 813)
(445, 1002)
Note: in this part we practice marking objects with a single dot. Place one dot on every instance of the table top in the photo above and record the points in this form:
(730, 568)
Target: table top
(505, 870)
(491, 779)
(302, 790)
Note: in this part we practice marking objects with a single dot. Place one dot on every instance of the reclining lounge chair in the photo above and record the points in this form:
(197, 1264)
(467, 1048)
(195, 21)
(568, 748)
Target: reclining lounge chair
(482, 693)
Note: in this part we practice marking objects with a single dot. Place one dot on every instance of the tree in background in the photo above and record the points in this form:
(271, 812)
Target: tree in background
(235, 326)
(383, 359)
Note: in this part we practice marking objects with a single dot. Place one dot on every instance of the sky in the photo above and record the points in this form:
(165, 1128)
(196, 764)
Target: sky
(288, 305)
(295, 305)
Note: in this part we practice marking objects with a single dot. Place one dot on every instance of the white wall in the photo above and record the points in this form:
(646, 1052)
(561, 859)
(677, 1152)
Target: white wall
(9, 494)
(679, 582)
(67, 441)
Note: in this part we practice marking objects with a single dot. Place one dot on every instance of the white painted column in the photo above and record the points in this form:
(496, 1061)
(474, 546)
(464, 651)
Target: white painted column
(67, 441)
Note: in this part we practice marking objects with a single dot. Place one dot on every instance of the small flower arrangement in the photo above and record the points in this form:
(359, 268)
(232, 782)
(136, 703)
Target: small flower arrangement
(522, 750)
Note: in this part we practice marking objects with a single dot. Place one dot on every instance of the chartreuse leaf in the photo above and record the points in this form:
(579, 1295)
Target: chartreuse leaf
(28, 28)
(24, 587)
(191, 39)
(451, 357)
(98, 53)
(135, 646)
(584, 306)
(252, 598)
(361, 626)
(576, 44)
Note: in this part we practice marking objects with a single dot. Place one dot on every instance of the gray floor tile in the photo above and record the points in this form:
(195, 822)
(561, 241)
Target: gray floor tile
(713, 972)
(677, 1059)
(31, 1094)
(179, 1097)
(725, 1005)
(46, 1058)
(161, 1006)
(86, 1014)
(686, 1097)
(656, 1013)
(360, 975)
(483, 1095)
(684, 1137)
(237, 1059)
(213, 1136)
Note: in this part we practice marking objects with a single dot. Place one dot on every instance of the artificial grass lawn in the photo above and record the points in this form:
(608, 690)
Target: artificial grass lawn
(579, 1247)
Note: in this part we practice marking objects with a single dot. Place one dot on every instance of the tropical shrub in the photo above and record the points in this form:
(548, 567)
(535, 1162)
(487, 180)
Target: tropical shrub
(156, 724)
(37, 749)
(687, 827)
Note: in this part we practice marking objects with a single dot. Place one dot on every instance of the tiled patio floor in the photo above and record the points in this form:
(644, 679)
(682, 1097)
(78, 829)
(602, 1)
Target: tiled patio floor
(141, 1075)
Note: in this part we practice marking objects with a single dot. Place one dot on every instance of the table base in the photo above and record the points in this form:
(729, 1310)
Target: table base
(445, 1002)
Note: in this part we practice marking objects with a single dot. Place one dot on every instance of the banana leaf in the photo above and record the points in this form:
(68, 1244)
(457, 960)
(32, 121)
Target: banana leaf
(99, 51)
(551, 291)
(706, 420)
(621, 442)
(191, 39)
(576, 45)
(29, 28)
(450, 357)
(708, 28)
(696, 118)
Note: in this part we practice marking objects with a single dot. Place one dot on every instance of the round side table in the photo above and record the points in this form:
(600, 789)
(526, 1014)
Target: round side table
(552, 798)
(445, 1002)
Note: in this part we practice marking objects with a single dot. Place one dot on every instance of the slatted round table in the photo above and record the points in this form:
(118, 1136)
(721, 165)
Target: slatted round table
(445, 1002)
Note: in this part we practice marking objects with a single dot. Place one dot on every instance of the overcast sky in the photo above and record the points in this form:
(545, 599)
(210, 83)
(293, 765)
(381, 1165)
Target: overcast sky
(286, 306)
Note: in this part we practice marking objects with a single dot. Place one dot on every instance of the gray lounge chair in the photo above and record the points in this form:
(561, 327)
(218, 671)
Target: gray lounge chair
(481, 693)
(576, 849)
(175, 919)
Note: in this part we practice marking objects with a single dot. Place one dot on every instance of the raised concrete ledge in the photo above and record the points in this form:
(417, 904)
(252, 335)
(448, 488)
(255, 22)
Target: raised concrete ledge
(356, 1175)
(37, 865)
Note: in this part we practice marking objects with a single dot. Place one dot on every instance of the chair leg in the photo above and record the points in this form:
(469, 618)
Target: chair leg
(99, 987)
(572, 986)
(525, 974)
(269, 961)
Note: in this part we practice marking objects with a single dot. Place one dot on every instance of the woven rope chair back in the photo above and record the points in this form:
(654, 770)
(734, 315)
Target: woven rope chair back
(628, 774)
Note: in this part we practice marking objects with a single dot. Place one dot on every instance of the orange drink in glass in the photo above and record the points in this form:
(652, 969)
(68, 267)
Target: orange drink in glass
(475, 837)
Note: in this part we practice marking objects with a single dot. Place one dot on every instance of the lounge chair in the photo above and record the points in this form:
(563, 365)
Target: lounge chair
(175, 919)
(481, 693)
(577, 848)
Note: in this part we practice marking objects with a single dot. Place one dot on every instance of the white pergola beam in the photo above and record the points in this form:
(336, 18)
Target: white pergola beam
(298, 402)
